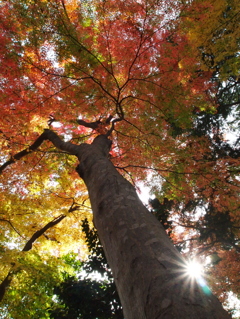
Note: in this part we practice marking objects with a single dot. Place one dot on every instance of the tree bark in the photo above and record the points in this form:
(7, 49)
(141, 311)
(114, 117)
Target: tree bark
(147, 268)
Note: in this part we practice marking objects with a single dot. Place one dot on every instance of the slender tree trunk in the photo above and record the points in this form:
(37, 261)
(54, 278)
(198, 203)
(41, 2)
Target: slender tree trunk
(147, 268)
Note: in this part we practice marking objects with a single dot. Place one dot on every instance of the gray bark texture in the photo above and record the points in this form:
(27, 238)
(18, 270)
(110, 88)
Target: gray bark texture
(147, 268)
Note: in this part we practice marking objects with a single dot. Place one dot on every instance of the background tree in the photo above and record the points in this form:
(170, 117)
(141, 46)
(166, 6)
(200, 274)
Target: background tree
(83, 295)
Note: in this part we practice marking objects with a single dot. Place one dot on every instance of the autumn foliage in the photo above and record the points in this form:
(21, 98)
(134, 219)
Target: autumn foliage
(151, 71)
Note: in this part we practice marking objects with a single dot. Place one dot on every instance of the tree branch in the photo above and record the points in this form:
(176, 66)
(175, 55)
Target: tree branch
(46, 135)
(25, 152)
(40, 232)
(92, 125)
(28, 246)
(97, 124)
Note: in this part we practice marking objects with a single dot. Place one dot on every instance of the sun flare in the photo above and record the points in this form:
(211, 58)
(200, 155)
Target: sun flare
(194, 269)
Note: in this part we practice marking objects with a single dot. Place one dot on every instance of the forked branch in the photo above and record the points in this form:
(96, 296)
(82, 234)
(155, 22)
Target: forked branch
(99, 125)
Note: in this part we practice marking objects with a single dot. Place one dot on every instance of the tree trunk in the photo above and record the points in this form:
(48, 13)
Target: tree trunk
(147, 268)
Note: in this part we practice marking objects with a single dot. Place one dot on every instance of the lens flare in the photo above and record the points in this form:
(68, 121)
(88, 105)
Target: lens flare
(194, 269)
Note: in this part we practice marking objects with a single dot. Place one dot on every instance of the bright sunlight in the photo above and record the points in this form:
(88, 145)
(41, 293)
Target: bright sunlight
(193, 272)
(194, 269)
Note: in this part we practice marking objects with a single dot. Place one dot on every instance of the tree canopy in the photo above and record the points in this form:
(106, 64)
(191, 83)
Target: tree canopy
(162, 77)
